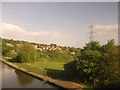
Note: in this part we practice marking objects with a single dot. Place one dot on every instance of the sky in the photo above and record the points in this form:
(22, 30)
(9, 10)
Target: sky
(62, 23)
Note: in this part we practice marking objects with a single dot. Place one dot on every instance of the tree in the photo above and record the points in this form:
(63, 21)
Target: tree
(27, 53)
(96, 64)
(110, 50)
(6, 49)
(71, 69)
(89, 62)
(11, 54)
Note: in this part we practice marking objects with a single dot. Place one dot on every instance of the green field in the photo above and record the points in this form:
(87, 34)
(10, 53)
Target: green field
(31, 69)
(44, 68)
(44, 65)
(49, 65)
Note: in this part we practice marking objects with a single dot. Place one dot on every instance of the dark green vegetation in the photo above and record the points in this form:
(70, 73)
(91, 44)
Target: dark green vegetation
(95, 65)
(26, 53)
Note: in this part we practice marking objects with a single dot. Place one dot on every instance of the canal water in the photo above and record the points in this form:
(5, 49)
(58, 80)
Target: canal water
(12, 78)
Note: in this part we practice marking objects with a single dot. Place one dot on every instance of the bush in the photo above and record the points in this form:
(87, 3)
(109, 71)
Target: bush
(55, 55)
(11, 54)
(97, 64)
(71, 69)
(27, 53)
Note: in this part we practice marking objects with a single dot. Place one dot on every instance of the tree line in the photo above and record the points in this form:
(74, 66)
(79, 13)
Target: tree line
(23, 51)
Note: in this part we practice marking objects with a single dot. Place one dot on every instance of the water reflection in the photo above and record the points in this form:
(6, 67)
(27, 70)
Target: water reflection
(12, 78)
(23, 78)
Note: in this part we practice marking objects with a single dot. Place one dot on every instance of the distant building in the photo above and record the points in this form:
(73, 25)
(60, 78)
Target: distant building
(48, 47)
(73, 53)
(9, 44)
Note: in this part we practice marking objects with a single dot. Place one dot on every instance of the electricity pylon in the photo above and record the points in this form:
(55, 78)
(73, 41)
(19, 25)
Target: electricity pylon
(91, 38)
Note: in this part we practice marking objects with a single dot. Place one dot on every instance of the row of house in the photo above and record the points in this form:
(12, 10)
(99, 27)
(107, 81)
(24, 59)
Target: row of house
(48, 47)
(42, 47)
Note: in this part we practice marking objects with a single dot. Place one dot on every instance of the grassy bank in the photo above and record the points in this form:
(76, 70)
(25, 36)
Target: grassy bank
(43, 74)
(49, 65)
(52, 69)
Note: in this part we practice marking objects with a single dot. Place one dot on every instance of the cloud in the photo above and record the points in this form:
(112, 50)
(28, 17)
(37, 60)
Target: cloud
(17, 32)
(103, 33)
(10, 29)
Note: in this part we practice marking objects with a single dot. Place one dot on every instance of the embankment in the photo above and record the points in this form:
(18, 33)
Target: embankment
(64, 84)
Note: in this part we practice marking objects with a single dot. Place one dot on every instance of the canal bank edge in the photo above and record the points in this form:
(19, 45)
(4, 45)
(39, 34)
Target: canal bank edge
(64, 84)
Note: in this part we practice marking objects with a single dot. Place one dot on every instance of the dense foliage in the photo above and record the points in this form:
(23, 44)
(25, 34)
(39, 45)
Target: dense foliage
(55, 55)
(27, 53)
(97, 64)
(19, 50)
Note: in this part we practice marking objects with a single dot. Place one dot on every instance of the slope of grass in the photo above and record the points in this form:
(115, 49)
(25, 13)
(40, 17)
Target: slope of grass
(31, 69)
(42, 67)
(51, 69)
(49, 65)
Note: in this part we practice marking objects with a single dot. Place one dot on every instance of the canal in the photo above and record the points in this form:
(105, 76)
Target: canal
(12, 78)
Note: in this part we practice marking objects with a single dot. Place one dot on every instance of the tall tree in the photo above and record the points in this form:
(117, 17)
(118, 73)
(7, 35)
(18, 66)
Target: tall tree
(110, 50)
(27, 53)
(96, 64)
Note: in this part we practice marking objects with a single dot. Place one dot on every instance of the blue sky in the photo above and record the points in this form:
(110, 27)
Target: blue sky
(64, 23)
